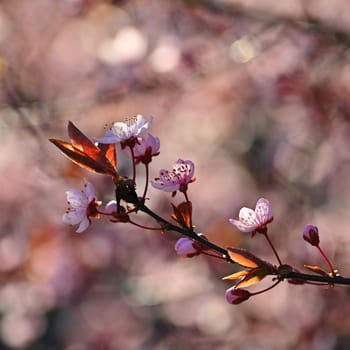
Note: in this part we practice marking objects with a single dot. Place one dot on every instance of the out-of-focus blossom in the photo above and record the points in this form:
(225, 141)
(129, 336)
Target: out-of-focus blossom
(237, 296)
(128, 46)
(145, 148)
(186, 248)
(177, 179)
(73, 7)
(250, 220)
(82, 206)
(130, 129)
(310, 234)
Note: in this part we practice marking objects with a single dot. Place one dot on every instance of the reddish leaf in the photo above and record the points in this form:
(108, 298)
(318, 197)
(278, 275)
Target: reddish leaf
(254, 276)
(80, 141)
(236, 275)
(246, 259)
(80, 157)
(182, 214)
(316, 269)
(109, 152)
(83, 152)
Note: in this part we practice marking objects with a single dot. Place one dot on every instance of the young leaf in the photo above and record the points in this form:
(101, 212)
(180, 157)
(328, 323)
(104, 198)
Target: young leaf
(236, 275)
(246, 259)
(109, 152)
(80, 141)
(182, 214)
(83, 152)
(254, 276)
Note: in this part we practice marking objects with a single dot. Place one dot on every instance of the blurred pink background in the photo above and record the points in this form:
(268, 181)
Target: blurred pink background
(255, 93)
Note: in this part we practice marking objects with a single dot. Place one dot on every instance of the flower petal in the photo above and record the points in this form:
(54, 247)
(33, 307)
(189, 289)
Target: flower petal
(107, 139)
(248, 217)
(74, 217)
(76, 198)
(167, 187)
(142, 125)
(241, 226)
(90, 191)
(83, 225)
(263, 210)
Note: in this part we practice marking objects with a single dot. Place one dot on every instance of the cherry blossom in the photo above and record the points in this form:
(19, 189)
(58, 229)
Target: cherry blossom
(82, 206)
(250, 220)
(145, 148)
(125, 131)
(177, 179)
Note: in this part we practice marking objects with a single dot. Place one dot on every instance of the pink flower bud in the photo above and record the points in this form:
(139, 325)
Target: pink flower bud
(111, 207)
(310, 234)
(185, 247)
(237, 296)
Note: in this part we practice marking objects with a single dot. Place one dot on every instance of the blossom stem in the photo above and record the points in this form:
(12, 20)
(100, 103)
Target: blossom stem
(145, 227)
(188, 233)
(272, 247)
(133, 164)
(147, 180)
(266, 289)
(325, 257)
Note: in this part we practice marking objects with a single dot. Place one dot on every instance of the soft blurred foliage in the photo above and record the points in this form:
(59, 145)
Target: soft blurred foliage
(254, 92)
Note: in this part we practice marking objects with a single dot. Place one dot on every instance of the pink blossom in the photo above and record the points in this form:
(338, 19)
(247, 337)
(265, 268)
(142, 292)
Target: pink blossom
(82, 206)
(254, 220)
(124, 131)
(177, 179)
(145, 148)
(237, 296)
(186, 247)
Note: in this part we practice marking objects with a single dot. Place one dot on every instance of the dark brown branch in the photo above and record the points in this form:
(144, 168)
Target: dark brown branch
(188, 233)
(315, 278)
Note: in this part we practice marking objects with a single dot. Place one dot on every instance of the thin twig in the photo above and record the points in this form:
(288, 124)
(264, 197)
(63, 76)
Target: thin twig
(188, 233)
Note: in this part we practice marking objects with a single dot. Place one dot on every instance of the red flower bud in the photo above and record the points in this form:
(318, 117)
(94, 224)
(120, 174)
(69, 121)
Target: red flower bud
(237, 296)
(310, 234)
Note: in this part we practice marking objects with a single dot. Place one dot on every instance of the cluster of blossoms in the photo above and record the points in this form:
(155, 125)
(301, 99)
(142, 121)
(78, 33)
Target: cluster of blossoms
(141, 147)
(135, 140)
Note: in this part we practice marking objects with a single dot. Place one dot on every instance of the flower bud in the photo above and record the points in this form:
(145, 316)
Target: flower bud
(111, 207)
(237, 296)
(185, 247)
(310, 234)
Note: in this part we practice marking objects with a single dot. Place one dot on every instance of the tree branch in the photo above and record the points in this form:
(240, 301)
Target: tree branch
(188, 233)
